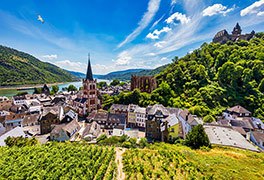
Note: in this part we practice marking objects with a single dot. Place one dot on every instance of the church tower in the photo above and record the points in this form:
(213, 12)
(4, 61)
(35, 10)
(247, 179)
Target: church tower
(237, 30)
(89, 89)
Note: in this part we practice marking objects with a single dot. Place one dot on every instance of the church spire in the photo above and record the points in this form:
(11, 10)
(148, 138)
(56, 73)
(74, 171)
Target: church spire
(89, 74)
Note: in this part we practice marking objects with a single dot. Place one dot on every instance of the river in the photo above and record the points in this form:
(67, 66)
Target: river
(13, 91)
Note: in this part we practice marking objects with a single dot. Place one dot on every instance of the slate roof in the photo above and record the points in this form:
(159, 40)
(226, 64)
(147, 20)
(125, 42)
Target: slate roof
(158, 107)
(239, 109)
(119, 107)
(30, 119)
(240, 123)
(259, 136)
(116, 118)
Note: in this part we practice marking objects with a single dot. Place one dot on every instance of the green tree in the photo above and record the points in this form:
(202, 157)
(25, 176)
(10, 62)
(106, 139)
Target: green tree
(197, 138)
(208, 119)
(115, 82)
(71, 88)
(54, 89)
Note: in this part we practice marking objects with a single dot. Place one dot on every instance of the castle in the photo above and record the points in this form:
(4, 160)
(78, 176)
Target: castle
(222, 36)
(143, 83)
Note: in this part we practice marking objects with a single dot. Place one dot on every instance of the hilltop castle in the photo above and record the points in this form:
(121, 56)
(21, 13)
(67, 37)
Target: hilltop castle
(223, 36)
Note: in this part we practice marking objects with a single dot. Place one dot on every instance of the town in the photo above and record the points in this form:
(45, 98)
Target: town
(78, 116)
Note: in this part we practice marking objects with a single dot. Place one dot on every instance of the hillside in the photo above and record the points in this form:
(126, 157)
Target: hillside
(165, 161)
(126, 74)
(217, 76)
(19, 68)
(57, 161)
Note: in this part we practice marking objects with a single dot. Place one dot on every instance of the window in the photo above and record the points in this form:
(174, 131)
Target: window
(172, 129)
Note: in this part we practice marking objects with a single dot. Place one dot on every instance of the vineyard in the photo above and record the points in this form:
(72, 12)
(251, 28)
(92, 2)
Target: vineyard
(58, 161)
(164, 161)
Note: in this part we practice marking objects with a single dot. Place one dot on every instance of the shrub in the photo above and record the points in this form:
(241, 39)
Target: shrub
(197, 138)
(143, 142)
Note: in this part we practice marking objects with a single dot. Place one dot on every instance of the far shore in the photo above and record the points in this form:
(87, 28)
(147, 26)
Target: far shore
(31, 86)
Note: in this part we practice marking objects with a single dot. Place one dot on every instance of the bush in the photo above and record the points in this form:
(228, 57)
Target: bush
(143, 142)
(208, 119)
(20, 141)
(126, 144)
(101, 138)
(197, 138)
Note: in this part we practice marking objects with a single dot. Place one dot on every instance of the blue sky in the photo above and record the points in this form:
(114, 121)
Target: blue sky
(120, 34)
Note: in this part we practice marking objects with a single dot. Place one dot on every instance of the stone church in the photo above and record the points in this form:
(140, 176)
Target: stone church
(87, 101)
(222, 36)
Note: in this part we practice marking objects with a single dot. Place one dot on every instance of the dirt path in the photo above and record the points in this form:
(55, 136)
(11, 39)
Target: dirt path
(120, 173)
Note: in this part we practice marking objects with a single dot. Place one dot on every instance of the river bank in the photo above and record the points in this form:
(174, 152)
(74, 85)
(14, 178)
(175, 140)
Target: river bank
(13, 90)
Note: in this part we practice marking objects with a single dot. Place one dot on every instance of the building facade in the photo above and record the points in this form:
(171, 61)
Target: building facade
(143, 83)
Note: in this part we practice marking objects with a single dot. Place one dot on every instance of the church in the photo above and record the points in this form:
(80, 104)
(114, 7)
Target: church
(223, 37)
(87, 100)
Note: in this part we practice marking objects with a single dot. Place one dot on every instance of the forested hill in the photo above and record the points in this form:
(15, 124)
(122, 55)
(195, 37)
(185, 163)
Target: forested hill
(216, 76)
(126, 74)
(18, 68)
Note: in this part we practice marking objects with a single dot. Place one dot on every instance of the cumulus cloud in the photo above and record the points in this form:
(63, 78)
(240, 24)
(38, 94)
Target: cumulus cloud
(178, 16)
(156, 33)
(153, 7)
(216, 9)
(254, 8)
(50, 57)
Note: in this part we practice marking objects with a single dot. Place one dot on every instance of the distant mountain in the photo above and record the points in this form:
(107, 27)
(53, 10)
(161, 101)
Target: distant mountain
(19, 68)
(126, 74)
(77, 74)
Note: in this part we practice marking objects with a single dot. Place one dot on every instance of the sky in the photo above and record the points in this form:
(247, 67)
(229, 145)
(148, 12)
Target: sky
(120, 34)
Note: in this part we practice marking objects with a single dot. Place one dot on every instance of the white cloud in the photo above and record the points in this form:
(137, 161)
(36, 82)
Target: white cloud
(164, 59)
(216, 9)
(173, 2)
(254, 8)
(156, 33)
(178, 16)
(50, 57)
(153, 7)
(123, 59)
(159, 44)
(71, 65)
(261, 13)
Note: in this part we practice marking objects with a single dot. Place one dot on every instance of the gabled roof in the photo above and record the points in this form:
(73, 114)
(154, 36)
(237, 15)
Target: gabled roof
(158, 107)
(240, 123)
(239, 109)
(30, 119)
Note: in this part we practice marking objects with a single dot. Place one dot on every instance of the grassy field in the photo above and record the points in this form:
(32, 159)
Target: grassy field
(164, 161)
(58, 161)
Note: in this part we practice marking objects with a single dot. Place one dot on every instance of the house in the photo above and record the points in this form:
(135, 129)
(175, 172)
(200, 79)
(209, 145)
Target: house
(2, 129)
(257, 124)
(13, 120)
(140, 114)
(69, 116)
(155, 115)
(131, 115)
(16, 132)
(19, 100)
(50, 116)
(31, 124)
(184, 116)
(245, 124)
(6, 105)
(169, 128)
(236, 113)
(257, 138)
(4, 113)
(91, 131)
(33, 105)
(64, 132)
(3, 98)
(227, 136)
(119, 109)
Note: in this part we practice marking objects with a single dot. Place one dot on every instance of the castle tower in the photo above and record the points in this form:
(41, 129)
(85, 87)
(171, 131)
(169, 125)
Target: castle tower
(237, 30)
(89, 89)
